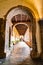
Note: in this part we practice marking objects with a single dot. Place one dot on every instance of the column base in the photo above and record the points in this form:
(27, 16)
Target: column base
(34, 55)
(41, 55)
(2, 55)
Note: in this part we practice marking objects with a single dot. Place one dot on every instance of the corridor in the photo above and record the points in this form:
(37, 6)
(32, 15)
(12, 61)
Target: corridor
(21, 32)
(21, 56)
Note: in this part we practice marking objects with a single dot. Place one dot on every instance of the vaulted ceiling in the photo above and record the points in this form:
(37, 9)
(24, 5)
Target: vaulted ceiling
(21, 28)
(20, 18)
(34, 5)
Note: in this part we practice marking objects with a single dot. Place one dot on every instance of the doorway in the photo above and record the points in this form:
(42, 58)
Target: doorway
(21, 20)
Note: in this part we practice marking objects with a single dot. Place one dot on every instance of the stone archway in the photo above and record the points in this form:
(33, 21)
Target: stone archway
(31, 18)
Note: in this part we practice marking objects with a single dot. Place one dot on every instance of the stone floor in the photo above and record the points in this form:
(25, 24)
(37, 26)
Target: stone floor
(20, 56)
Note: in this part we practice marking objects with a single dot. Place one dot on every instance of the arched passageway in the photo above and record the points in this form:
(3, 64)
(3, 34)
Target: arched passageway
(20, 14)
(23, 31)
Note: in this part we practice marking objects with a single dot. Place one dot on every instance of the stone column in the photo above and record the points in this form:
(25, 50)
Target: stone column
(38, 38)
(34, 53)
(2, 38)
(40, 23)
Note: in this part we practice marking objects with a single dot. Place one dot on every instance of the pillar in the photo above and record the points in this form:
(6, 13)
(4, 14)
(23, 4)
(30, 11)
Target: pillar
(2, 38)
(34, 53)
(40, 22)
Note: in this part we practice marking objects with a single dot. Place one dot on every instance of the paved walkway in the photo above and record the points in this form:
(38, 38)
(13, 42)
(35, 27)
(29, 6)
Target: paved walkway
(21, 56)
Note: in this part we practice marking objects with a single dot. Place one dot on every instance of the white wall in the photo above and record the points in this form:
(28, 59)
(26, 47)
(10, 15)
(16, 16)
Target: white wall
(27, 36)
